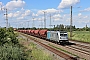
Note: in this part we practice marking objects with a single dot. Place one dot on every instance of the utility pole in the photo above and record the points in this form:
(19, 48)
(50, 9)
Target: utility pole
(1, 7)
(6, 14)
(33, 22)
(6, 18)
(9, 25)
(41, 24)
(50, 23)
(71, 24)
(28, 24)
(44, 19)
(50, 20)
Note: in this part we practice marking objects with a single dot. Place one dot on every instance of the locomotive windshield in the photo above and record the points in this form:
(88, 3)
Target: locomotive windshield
(63, 34)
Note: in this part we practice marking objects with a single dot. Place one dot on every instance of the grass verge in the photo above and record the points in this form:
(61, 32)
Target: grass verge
(33, 52)
(63, 50)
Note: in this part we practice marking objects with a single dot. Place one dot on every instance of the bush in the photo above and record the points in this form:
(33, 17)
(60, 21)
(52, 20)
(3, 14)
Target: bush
(11, 53)
(10, 48)
(2, 36)
(7, 36)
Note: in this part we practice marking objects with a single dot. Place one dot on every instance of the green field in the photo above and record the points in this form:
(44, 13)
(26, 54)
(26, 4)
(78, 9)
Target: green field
(80, 36)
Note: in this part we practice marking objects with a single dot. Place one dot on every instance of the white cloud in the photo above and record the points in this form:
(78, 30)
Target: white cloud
(19, 15)
(79, 14)
(66, 15)
(68, 19)
(1, 3)
(26, 13)
(14, 0)
(10, 15)
(41, 12)
(57, 17)
(85, 17)
(33, 14)
(19, 0)
(87, 9)
(14, 4)
(53, 10)
(40, 19)
(67, 3)
(16, 14)
(20, 18)
(84, 21)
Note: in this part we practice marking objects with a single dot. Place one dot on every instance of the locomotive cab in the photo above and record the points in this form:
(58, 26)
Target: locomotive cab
(63, 36)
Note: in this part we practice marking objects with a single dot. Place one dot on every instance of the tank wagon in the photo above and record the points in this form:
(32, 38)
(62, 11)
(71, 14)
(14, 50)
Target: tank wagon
(56, 36)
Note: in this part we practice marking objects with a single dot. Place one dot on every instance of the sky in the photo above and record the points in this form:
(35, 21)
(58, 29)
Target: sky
(30, 13)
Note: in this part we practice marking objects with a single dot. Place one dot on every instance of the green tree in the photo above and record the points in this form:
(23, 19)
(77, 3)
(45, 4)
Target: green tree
(3, 36)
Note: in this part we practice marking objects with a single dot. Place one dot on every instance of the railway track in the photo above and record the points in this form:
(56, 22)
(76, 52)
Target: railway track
(82, 49)
(59, 53)
(83, 46)
(87, 52)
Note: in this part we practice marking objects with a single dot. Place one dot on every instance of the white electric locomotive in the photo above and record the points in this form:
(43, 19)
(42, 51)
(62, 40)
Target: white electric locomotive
(57, 36)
